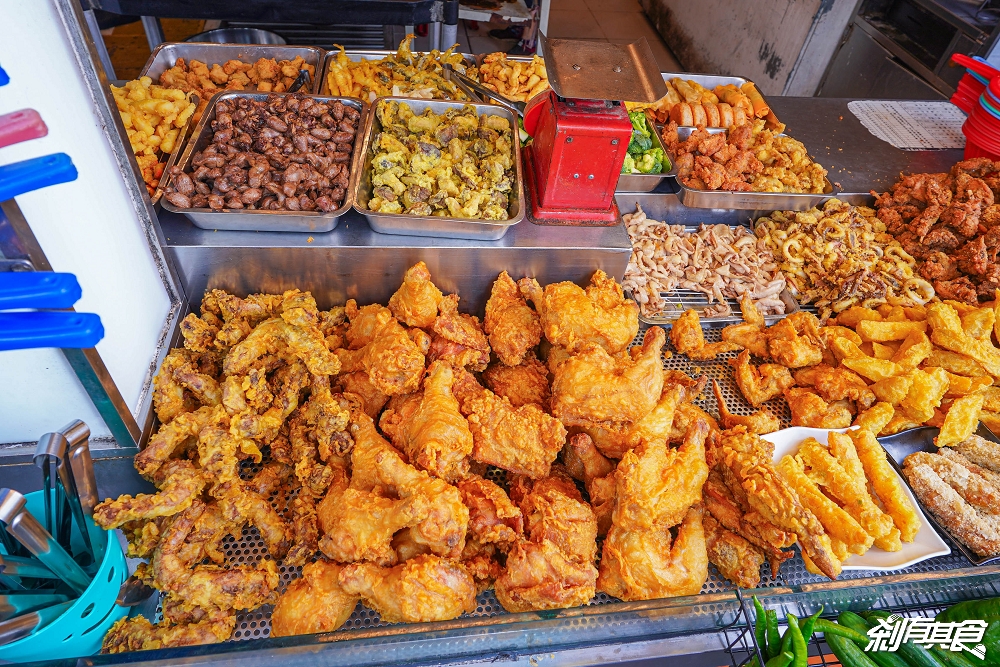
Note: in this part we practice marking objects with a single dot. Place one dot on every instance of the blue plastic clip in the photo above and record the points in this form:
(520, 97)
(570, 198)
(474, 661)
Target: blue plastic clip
(39, 172)
(20, 331)
(4, 79)
(38, 290)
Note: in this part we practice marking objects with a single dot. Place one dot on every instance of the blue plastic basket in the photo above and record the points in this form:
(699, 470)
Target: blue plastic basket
(79, 631)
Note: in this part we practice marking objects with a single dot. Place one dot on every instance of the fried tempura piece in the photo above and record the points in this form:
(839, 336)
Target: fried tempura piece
(808, 409)
(179, 483)
(584, 463)
(595, 387)
(836, 384)
(975, 490)
(759, 422)
(138, 634)
(415, 303)
(747, 463)
(435, 437)
(427, 588)
(990, 476)
(554, 568)
(886, 483)
(572, 317)
(852, 493)
(980, 532)
(760, 384)
(170, 436)
(493, 518)
(316, 602)
(458, 338)
(688, 338)
(838, 524)
(380, 346)
(513, 327)
(736, 559)
(981, 451)
(521, 384)
(523, 440)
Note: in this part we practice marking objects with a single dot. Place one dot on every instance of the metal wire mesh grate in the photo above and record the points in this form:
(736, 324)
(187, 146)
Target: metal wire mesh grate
(250, 547)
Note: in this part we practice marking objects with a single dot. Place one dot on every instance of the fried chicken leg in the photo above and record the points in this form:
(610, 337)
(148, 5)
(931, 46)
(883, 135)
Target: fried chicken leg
(512, 326)
(416, 302)
(316, 602)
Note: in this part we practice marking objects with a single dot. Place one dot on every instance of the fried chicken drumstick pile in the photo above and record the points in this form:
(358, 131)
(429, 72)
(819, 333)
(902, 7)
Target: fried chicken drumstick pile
(357, 442)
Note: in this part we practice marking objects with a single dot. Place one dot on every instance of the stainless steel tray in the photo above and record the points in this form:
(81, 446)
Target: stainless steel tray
(165, 56)
(450, 228)
(724, 199)
(645, 182)
(668, 208)
(267, 221)
(358, 56)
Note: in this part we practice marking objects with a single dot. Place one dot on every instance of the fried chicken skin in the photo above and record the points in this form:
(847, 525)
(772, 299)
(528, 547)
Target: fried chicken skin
(313, 603)
(169, 397)
(573, 317)
(304, 342)
(179, 484)
(688, 338)
(512, 325)
(759, 422)
(522, 440)
(761, 383)
(554, 567)
(161, 446)
(427, 588)
(592, 386)
(458, 338)
(527, 382)
(433, 433)
(416, 302)
(380, 346)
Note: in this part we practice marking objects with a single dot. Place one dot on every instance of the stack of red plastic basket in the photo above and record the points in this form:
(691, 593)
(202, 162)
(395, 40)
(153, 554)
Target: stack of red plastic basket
(978, 94)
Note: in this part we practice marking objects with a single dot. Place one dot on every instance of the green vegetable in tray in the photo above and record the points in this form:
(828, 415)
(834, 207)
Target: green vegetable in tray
(642, 157)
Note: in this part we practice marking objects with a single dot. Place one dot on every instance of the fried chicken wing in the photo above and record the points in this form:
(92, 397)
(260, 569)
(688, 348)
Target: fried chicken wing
(523, 440)
(759, 422)
(179, 483)
(836, 384)
(586, 464)
(527, 382)
(749, 337)
(458, 338)
(760, 384)
(573, 317)
(493, 518)
(593, 386)
(381, 347)
(313, 603)
(794, 342)
(808, 409)
(512, 325)
(435, 437)
(736, 559)
(416, 302)
(427, 588)
(688, 338)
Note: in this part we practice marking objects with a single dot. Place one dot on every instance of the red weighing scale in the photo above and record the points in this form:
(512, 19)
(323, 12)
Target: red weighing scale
(581, 128)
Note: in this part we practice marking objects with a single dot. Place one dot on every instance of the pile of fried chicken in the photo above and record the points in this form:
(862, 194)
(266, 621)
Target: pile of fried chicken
(950, 223)
(357, 442)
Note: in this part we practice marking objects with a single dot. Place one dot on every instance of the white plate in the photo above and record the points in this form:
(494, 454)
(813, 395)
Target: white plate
(926, 544)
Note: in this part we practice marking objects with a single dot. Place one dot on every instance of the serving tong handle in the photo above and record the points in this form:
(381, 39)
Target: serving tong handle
(474, 89)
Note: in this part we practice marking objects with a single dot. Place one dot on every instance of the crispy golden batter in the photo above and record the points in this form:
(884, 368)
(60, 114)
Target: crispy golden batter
(593, 386)
(380, 346)
(572, 317)
(416, 302)
(359, 384)
(179, 483)
(836, 384)
(138, 634)
(316, 602)
(974, 489)
(305, 533)
(427, 588)
(688, 338)
(169, 398)
(161, 446)
(737, 559)
(760, 384)
(759, 422)
(458, 338)
(586, 464)
(512, 325)
(794, 342)
(886, 484)
(493, 518)
(808, 409)
(521, 384)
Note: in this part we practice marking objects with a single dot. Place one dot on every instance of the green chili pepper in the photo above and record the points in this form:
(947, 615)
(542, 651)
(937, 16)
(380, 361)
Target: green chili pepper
(786, 643)
(780, 660)
(843, 630)
(799, 648)
(807, 627)
(773, 638)
(760, 627)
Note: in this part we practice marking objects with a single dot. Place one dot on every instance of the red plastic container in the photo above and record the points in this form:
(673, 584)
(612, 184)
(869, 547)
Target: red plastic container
(977, 144)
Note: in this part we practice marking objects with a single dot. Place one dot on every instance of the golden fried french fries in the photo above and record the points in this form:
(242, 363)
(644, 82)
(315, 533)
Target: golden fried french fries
(961, 420)
(925, 394)
(844, 348)
(840, 525)
(913, 351)
(899, 422)
(980, 350)
(979, 323)
(873, 369)
(855, 314)
(880, 351)
(956, 363)
(961, 385)
(889, 330)
(876, 417)
(892, 390)
(886, 484)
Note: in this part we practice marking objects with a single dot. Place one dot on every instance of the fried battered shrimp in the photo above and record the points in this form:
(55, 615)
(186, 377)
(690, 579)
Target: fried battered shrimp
(688, 338)
(313, 603)
(427, 588)
(138, 634)
(572, 317)
(512, 325)
(179, 484)
(759, 422)
(416, 302)
(521, 384)
(760, 384)
(458, 338)
(595, 387)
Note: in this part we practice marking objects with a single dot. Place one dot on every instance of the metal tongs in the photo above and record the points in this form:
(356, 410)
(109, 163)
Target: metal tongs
(476, 90)
(301, 80)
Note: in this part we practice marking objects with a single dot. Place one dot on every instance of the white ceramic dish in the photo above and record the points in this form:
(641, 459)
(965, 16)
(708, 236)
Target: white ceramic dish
(926, 544)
